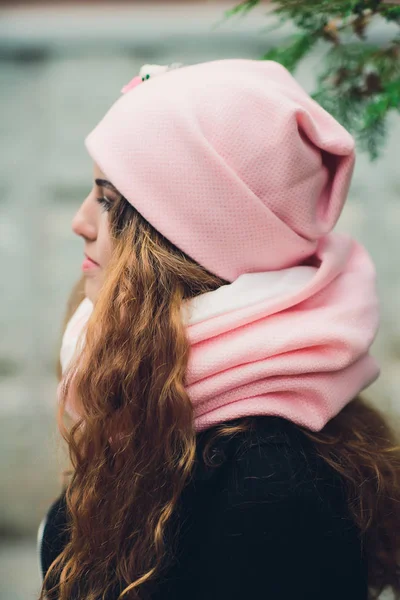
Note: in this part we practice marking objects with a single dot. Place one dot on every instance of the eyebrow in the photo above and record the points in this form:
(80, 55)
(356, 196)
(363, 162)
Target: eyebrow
(106, 184)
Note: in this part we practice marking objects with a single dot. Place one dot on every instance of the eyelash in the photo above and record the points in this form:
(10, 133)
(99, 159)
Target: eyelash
(105, 202)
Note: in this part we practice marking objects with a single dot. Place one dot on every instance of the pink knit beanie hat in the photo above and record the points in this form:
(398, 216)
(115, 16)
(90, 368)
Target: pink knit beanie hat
(231, 161)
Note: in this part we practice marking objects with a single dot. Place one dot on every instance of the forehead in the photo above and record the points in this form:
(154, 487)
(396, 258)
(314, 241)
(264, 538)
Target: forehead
(97, 172)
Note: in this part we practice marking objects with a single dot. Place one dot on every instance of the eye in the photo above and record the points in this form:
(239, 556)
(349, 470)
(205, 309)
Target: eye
(104, 202)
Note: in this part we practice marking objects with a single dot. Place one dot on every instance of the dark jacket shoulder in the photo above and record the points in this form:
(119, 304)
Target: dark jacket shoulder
(273, 455)
(271, 522)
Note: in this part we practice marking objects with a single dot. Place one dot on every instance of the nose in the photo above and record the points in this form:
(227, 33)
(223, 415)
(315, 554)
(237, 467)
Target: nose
(84, 221)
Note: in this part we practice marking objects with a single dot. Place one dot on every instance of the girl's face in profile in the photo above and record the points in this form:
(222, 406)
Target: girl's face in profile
(91, 222)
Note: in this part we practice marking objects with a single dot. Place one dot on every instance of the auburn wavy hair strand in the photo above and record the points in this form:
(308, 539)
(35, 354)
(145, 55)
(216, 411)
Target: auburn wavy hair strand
(133, 448)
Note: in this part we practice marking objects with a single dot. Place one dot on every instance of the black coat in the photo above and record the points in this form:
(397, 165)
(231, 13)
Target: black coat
(270, 523)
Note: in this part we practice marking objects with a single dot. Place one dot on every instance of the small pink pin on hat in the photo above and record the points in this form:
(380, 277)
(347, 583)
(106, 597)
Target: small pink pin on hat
(147, 72)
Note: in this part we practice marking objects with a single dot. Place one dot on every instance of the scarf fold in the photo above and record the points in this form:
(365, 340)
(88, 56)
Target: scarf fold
(292, 343)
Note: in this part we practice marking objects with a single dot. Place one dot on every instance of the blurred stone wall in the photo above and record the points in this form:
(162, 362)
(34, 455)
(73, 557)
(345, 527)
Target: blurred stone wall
(60, 70)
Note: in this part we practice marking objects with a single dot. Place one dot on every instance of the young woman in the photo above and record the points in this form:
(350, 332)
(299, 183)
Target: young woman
(220, 448)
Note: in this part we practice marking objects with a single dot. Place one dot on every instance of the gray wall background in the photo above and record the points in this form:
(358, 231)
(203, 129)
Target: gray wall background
(60, 70)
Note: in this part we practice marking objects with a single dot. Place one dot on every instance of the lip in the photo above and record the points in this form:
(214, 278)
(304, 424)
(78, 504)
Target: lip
(89, 264)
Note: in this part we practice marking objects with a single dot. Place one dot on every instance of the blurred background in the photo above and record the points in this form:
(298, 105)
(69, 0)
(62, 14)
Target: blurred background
(61, 67)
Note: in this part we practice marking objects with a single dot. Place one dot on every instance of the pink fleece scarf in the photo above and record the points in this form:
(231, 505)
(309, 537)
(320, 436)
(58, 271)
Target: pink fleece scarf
(292, 342)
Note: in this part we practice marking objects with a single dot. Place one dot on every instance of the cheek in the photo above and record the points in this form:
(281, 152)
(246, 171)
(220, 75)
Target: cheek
(104, 242)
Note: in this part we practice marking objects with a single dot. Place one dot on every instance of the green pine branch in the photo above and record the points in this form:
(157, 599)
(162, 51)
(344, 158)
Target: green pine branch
(291, 54)
(358, 83)
(242, 8)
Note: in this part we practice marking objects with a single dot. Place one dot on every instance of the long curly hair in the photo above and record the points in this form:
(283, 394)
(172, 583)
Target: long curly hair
(133, 449)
